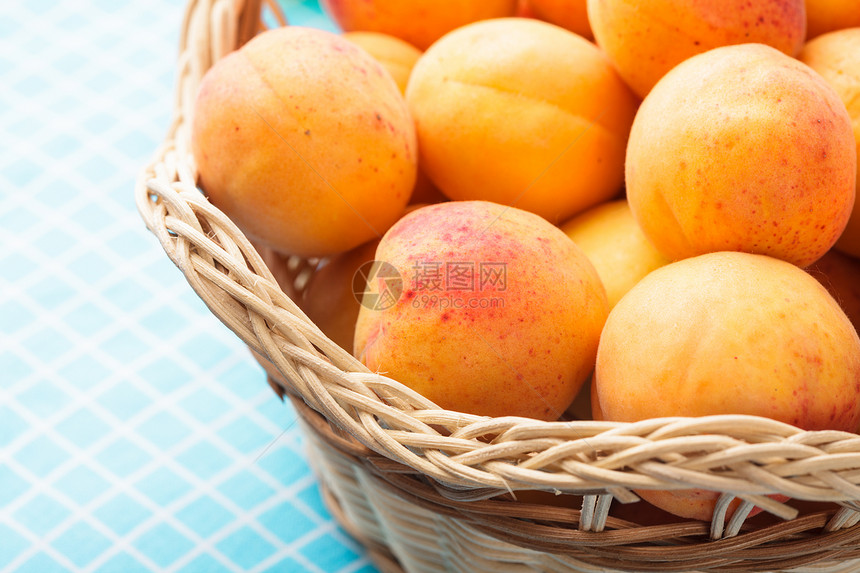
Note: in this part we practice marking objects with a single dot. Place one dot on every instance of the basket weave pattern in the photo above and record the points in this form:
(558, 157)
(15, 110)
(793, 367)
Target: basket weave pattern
(415, 482)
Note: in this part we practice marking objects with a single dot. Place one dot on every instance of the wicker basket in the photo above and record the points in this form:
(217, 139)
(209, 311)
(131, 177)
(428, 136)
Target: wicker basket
(429, 490)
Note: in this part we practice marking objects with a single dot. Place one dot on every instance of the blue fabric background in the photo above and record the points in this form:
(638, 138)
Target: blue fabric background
(136, 432)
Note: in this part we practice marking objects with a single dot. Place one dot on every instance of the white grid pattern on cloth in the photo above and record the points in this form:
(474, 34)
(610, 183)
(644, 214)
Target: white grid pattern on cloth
(136, 432)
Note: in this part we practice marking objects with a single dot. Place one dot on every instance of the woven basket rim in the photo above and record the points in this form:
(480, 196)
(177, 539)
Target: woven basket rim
(622, 545)
(747, 456)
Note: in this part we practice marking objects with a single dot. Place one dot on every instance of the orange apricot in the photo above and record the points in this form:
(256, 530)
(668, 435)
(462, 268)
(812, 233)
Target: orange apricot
(523, 113)
(396, 55)
(647, 38)
(419, 22)
(499, 313)
(824, 16)
(569, 14)
(728, 333)
(305, 142)
(742, 148)
(614, 243)
(836, 56)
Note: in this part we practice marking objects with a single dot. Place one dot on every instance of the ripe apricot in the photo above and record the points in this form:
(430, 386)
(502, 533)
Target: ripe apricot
(616, 246)
(836, 56)
(728, 333)
(742, 148)
(524, 113)
(304, 141)
(419, 22)
(824, 16)
(396, 55)
(500, 313)
(647, 38)
(569, 14)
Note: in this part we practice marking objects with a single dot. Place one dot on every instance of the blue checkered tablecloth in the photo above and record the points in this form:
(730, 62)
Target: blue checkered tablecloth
(136, 432)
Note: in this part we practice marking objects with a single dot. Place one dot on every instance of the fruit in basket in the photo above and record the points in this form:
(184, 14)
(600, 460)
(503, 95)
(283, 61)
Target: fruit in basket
(611, 238)
(329, 298)
(419, 22)
(396, 55)
(742, 148)
(646, 39)
(824, 16)
(523, 113)
(836, 56)
(304, 141)
(500, 313)
(569, 14)
(696, 504)
(728, 333)
(840, 275)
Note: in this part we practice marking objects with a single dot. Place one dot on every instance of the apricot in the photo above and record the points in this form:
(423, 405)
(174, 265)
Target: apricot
(728, 333)
(304, 141)
(646, 39)
(329, 298)
(616, 246)
(836, 56)
(396, 55)
(419, 22)
(742, 148)
(500, 313)
(523, 113)
(840, 275)
(695, 503)
(824, 16)
(569, 14)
